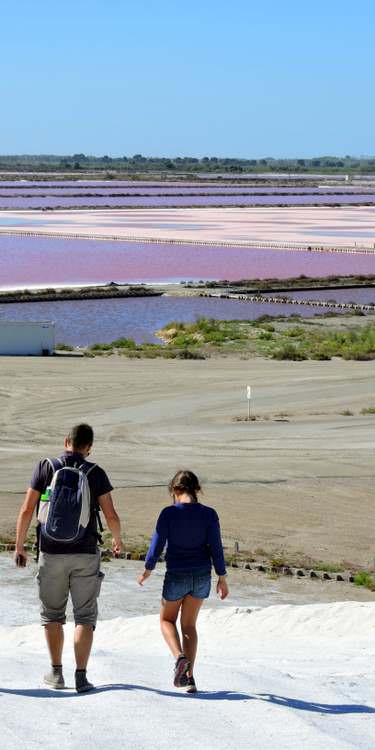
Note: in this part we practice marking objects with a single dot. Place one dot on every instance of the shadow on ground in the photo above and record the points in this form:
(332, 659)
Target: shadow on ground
(206, 695)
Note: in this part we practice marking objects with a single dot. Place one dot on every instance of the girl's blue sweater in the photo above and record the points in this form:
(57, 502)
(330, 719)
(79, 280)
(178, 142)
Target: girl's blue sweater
(192, 534)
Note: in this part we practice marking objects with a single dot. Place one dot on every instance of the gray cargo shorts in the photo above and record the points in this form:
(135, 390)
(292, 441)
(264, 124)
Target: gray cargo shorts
(77, 574)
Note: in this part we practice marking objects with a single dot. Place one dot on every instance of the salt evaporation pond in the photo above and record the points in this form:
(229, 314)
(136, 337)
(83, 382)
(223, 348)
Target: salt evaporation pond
(169, 201)
(46, 261)
(84, 322)
(61, 184)
(165, 189)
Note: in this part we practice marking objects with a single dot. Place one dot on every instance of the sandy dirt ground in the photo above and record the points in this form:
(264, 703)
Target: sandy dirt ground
(344, 226)
(301, 483)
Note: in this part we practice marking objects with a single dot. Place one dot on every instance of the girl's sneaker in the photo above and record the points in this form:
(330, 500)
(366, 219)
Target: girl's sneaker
(191, 686)
(182, 666)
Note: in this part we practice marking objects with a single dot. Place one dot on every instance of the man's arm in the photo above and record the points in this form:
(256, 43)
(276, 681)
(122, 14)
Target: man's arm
(112, 519)
(24, 520)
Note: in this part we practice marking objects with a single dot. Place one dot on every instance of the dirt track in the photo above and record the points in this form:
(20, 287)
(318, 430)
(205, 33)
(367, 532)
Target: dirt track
(301, 483)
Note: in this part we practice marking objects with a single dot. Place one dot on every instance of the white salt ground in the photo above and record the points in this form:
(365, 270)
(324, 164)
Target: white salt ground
(285, 677)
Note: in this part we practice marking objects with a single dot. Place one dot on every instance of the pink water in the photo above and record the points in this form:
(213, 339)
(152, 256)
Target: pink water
(108, 184)
(45, 261)
(164, 189)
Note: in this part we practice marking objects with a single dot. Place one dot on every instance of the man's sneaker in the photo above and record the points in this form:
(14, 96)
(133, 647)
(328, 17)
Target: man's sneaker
(191, 686)
(55, 678)
(182, 666)
(82, 683)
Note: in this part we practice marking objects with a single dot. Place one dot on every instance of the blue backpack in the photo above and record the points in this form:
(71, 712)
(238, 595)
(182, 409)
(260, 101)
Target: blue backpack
(65, 507)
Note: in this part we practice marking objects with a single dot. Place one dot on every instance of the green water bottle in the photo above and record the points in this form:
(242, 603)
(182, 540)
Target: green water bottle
(46, 495)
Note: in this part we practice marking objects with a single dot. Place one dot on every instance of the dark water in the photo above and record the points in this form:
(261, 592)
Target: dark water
(88, 321)
(45, 261)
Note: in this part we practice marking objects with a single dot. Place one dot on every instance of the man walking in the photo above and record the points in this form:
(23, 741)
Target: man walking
(69, 492)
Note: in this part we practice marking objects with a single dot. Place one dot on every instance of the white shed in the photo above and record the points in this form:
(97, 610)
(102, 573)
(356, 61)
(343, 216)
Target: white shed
(24, 338)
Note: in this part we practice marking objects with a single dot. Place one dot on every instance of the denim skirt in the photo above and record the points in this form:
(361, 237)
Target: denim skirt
(180, 583)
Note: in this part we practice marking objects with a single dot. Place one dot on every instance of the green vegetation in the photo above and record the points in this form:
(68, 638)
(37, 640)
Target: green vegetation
(108, 291)
(182, 341)
(280, 339)
(362, 578)
(357, 344)
(289, 351)
(101, 347)
(203, 331)
(64, 348)
(368, 410)
(124, 344)
(277, 563)
(178, 349)
(296, 283)
(138, 163)
(265, 336)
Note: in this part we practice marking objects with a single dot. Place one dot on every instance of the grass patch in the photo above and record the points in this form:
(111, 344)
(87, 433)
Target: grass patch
(368, 410)
(277, 563)
(124, 344)
(101, 347)
(264, 325)
(289, 351)
(295, 332)
(64, 348)
(354, 344)
(265, 335)
(362, 578)
(203, 331)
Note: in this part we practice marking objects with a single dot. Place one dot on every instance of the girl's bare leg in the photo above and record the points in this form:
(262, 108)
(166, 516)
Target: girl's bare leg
(189, 613)
(168, 617)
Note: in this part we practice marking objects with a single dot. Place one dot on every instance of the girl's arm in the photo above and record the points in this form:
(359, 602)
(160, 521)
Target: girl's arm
(217, 553)
(216, 546)
(157, 545)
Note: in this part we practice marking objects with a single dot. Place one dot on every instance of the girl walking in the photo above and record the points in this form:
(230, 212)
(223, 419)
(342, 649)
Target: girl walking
(191, 531)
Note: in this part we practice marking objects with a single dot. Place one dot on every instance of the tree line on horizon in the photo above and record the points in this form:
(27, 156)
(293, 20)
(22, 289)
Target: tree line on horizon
(139, 163)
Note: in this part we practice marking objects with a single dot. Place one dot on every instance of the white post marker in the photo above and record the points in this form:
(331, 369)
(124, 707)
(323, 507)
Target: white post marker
(248, 393)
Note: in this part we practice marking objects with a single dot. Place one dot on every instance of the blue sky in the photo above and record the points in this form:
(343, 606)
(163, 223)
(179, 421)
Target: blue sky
(200, 78)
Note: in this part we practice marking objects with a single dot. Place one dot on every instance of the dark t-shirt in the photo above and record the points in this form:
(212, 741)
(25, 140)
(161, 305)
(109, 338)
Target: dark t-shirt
(99, 485)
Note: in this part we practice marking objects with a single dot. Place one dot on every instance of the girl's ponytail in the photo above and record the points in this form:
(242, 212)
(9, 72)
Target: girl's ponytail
(185, 482)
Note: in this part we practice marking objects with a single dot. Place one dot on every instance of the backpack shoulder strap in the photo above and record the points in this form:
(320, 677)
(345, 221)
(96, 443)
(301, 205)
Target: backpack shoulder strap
(86, 468)
(55, 463)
